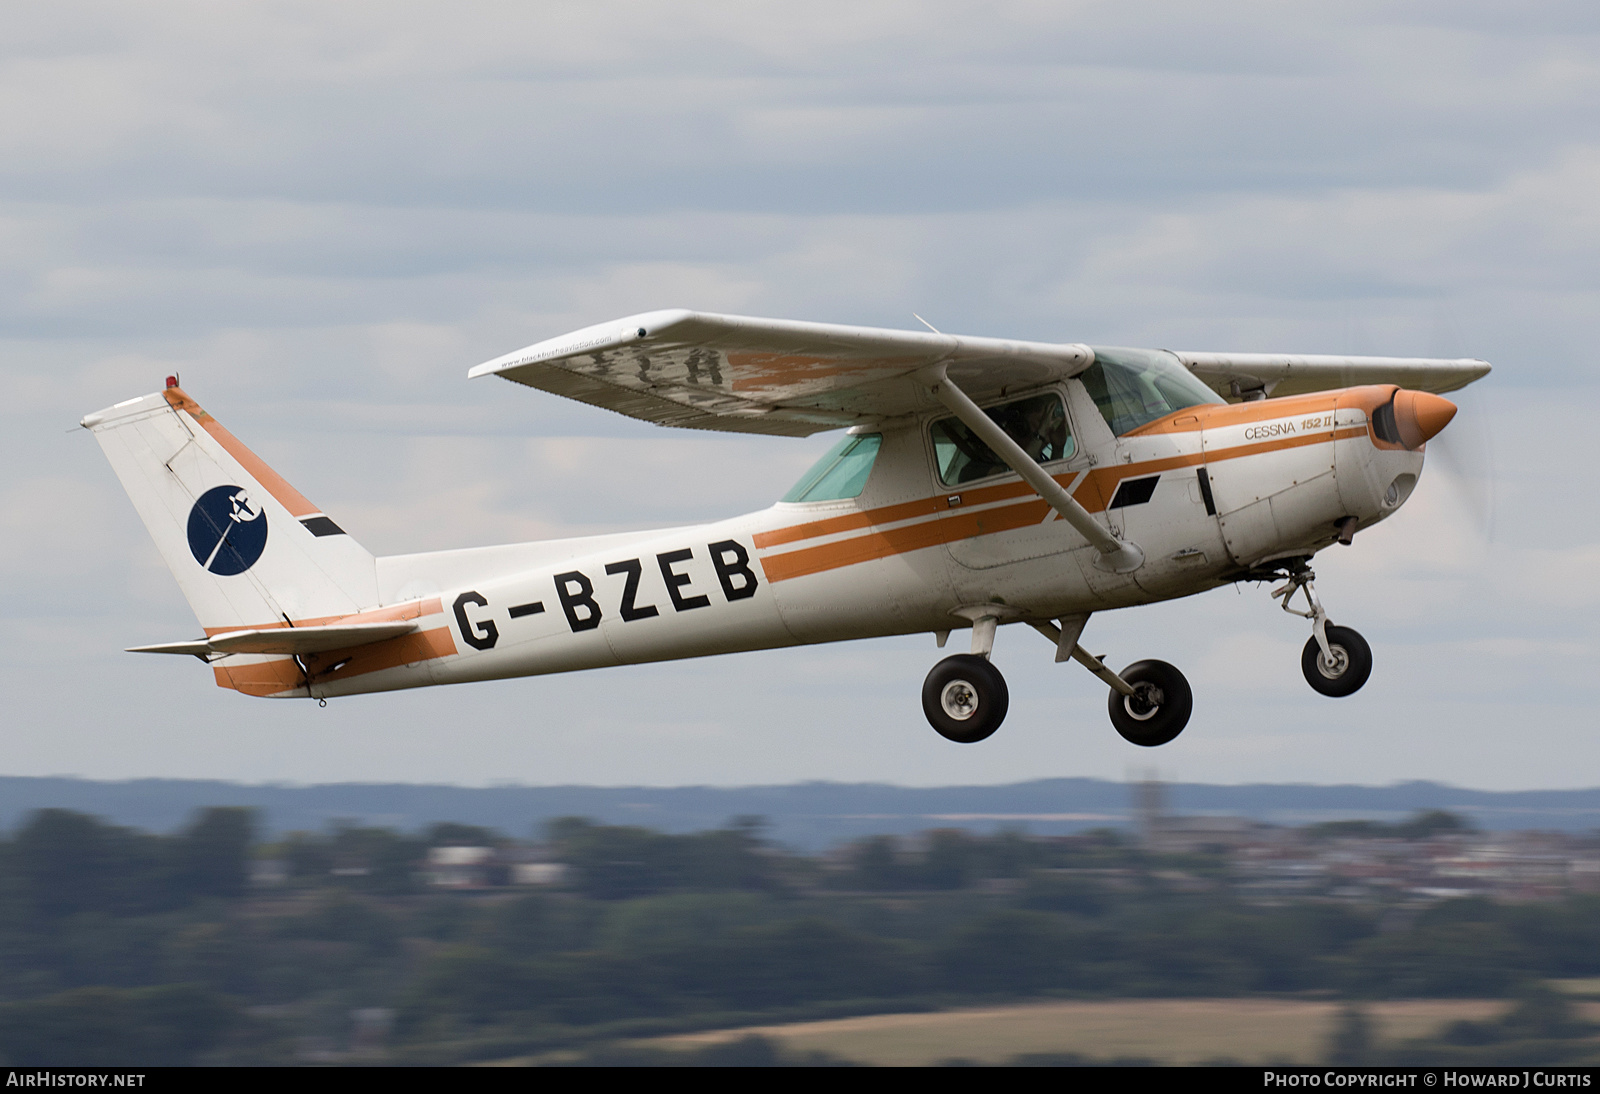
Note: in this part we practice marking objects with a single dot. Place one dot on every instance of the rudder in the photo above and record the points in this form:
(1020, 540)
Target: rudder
(247, 549)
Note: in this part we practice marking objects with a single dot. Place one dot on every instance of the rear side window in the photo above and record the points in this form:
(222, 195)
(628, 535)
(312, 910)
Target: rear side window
(842, 473)
(1038, 424)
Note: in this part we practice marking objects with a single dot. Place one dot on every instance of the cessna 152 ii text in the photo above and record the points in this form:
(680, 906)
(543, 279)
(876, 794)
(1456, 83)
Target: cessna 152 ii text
(979, 482)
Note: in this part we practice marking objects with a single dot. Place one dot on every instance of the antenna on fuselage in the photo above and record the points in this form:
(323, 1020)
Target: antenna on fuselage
(925, 323)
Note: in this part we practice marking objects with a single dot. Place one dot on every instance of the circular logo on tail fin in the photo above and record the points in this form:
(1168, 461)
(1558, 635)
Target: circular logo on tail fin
(227, 530)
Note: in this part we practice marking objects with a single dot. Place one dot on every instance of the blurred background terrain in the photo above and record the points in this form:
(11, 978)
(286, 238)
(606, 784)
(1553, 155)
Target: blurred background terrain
(1169, 938)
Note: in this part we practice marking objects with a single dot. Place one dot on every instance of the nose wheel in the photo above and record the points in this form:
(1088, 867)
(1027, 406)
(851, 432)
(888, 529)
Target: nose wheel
(1336, 661)
(1343, 669)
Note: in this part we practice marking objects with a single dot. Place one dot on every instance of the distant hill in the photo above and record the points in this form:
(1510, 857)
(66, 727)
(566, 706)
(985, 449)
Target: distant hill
(808, 816)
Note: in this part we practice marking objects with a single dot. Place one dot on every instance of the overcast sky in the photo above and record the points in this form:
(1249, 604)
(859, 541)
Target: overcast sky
(322, 215)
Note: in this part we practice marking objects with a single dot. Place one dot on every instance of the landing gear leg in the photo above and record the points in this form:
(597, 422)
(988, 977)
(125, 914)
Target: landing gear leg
(1150, 701)
(1336, 661)
(965, 698)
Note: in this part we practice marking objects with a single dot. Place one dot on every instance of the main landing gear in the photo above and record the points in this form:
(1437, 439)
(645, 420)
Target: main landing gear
(1159, 707)
(965, 697)
(1336, 661)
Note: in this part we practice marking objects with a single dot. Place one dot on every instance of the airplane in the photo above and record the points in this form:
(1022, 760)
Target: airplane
(979, 482)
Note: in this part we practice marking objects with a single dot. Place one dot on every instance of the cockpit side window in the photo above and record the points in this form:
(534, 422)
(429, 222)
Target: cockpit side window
(1133, 387)
(842, 473)
(1038, 424)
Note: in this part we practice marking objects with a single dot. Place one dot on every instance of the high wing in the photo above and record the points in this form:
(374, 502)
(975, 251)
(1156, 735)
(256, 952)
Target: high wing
(747, 375)
(1235, 375)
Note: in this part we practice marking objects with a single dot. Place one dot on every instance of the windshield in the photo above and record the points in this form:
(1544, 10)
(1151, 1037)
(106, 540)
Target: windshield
(1133, 387)
(842, 473)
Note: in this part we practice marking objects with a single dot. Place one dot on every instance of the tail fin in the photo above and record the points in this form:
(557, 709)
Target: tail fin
(247, 548)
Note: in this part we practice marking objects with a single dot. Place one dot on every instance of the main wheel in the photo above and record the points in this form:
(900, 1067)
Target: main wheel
(965, 698)
(1158, 709)
(1349, 669)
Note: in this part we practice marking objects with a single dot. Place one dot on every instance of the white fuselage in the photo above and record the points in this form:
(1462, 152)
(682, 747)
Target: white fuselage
(1234, 487)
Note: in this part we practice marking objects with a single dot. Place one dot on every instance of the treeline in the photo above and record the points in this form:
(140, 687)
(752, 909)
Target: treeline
(1423, 825)
(118, 947)
(1543, 1028)
(62, 863)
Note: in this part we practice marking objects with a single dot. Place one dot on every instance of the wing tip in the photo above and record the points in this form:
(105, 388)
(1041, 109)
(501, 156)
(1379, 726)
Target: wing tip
(598, 337)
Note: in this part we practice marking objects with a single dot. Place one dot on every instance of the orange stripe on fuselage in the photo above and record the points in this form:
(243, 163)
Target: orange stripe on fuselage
(899, 541)
(415, 609)
(282, 674)
(262, 678)
(265, 678)
(1216, 415)
(893, 514)
(849, 522)
(274, 483)
(1093, 493)
(418, 646)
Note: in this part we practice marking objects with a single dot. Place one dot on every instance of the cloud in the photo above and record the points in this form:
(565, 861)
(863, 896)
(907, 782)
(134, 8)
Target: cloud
(323, 215)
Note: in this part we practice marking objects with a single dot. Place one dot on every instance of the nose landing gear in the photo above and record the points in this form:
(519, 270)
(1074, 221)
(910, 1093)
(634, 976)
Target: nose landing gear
(1336, 661)
(1343, 669)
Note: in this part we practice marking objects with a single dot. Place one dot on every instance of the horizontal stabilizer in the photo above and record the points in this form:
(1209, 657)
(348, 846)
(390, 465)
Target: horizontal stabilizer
(198, 648)
(286, 640)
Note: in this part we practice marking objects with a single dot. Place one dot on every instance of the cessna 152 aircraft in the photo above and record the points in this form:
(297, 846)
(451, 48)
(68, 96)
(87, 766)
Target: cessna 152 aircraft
(979, 482)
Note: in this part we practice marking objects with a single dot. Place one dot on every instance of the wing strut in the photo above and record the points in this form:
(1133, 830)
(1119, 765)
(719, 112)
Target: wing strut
(1116, 555)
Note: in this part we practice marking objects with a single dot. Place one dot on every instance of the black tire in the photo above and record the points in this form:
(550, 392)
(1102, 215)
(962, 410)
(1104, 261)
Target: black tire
(1353, 663)
(1160, 710)
(965, 698)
